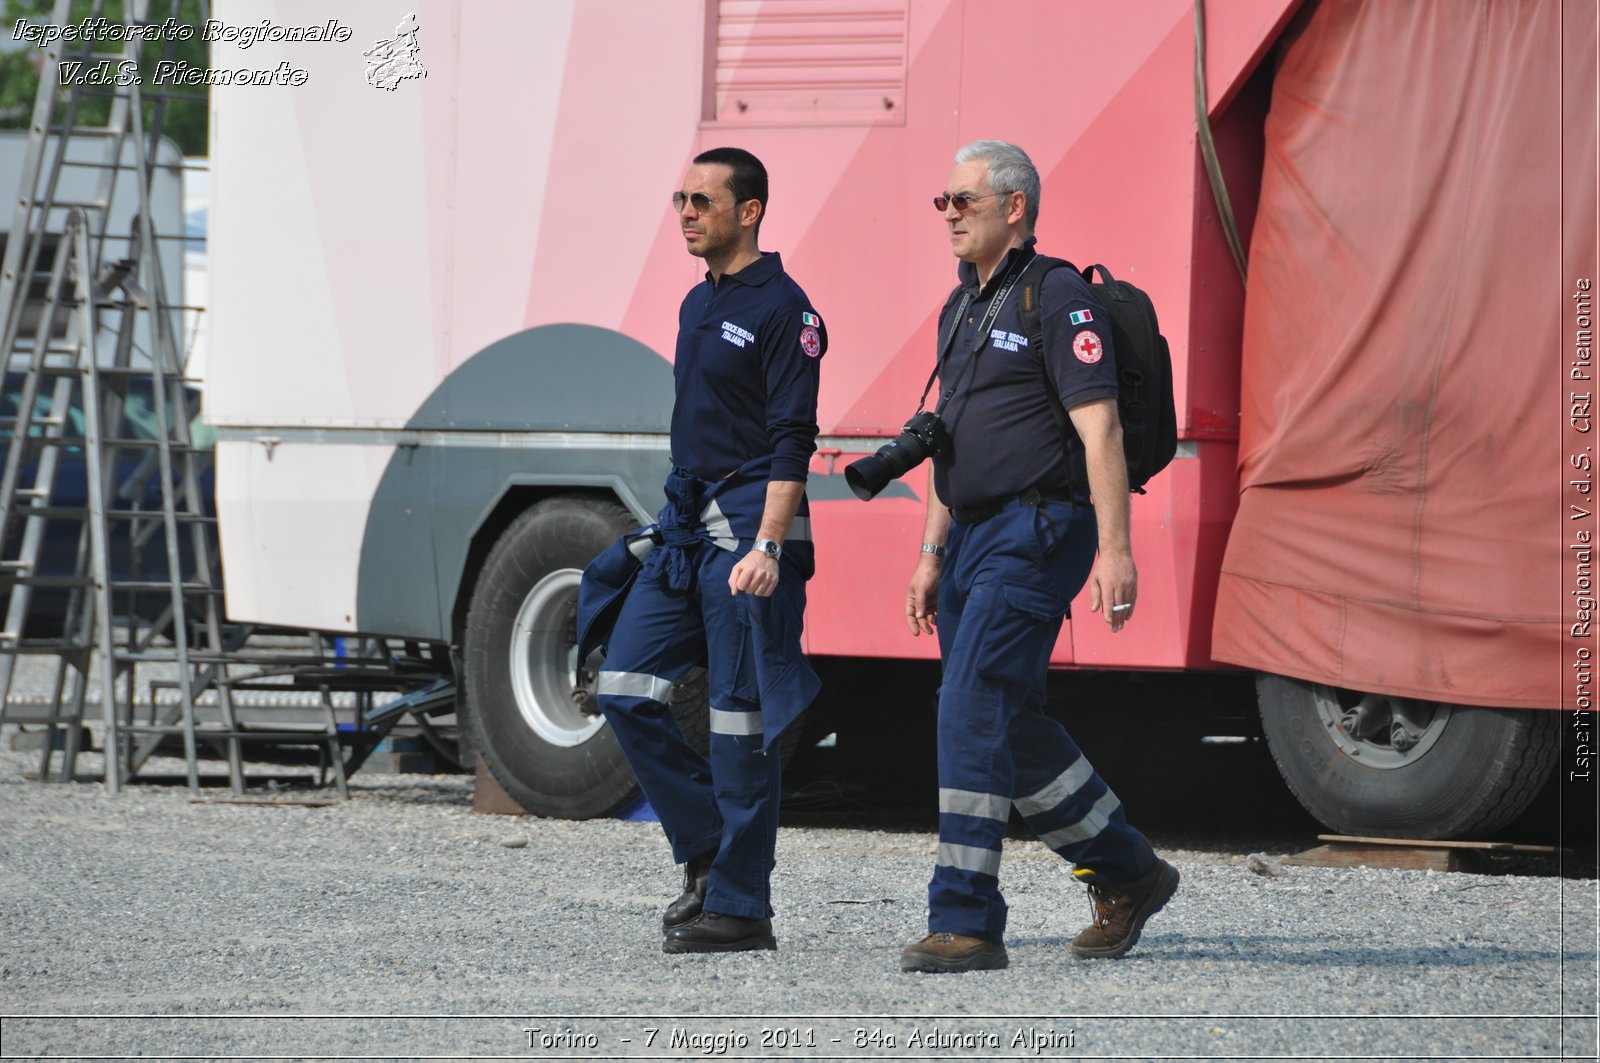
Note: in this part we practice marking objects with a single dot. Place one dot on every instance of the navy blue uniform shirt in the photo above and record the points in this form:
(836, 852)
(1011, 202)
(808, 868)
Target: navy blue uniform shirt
(1004, 437)
(746, 374)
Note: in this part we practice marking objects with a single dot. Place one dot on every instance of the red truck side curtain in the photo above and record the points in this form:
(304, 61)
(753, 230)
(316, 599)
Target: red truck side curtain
(1407, 329)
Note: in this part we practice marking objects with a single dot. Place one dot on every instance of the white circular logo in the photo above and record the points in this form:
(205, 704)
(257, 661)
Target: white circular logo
(1087, 346)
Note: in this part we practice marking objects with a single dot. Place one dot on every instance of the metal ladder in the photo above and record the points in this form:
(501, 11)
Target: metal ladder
(85, 314)
(28, 239)
(65, 355)
(45, 400)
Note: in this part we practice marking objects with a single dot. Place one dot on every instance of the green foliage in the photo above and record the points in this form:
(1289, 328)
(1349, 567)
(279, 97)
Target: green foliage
(184, 120)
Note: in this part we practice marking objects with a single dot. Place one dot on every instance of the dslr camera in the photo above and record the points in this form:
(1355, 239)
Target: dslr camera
(923, 437)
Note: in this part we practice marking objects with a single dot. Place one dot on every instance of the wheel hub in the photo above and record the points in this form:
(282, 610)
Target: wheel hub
(1377, 730)
(544, 657)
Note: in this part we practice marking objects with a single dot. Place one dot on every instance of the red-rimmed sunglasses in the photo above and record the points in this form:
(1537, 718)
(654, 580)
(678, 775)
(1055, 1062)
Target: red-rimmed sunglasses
(961, 203)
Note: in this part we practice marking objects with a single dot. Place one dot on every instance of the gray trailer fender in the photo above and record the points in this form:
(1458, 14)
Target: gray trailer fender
(559, 408)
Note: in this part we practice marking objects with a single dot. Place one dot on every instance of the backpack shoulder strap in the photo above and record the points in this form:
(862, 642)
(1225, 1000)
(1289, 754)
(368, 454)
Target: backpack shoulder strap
(1031, 284)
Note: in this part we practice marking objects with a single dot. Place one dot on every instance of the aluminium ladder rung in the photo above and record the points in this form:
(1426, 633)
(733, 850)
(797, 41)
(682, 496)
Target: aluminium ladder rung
(42, 422)
(163, 587)
(44, 442)
(25, 648)
(129, 371)
(21, 360)
(181, 516)
(24, 579)
(81, 512)
(193, 657)
(171, 444)
(201, 731)
(94, 132)
(85, 165)
(138, 371)
(135, 371)
(118, 586)
(121, 442)
(43, 274)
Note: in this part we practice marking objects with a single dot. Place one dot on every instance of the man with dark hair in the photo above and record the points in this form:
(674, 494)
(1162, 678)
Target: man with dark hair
(747, 179)
(1015, 523)
(724, 583)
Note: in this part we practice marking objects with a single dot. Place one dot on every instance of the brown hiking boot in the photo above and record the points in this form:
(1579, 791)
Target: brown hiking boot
(1120, 911)
(950, 953)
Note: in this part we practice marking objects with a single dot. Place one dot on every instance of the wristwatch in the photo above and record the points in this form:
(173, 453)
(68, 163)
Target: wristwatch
(771, 547)
(933, 548)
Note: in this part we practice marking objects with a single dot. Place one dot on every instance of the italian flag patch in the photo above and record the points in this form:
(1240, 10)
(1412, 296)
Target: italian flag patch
(1081, 317)
(810, 319)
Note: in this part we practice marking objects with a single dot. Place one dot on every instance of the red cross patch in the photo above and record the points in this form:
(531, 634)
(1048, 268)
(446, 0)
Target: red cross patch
(810, 342)
(1087, 346)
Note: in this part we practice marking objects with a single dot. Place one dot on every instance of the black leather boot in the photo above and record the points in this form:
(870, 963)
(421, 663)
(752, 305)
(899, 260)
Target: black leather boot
(696, 873)
(710, 932)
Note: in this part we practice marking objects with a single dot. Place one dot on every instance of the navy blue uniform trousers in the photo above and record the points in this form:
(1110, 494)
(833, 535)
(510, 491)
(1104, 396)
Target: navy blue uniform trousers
(729, 804)
(1006, 585)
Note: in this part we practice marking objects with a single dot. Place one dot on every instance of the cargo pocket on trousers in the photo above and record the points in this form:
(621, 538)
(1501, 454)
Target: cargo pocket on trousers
(1019, 634)
(731, 658)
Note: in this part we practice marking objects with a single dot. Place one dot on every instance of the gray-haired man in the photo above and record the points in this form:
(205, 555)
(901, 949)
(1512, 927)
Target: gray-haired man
(1011, 537)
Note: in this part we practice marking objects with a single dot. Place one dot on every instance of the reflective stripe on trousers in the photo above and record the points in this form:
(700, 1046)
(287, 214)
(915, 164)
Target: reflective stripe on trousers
(726, 803)
(1005, 586)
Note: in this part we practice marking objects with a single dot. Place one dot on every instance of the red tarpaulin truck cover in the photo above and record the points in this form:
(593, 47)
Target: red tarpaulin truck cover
(1401, 521)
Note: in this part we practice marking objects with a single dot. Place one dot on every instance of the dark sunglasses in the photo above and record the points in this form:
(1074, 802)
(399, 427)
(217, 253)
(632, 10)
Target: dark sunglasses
(961, 203)
(701, 202)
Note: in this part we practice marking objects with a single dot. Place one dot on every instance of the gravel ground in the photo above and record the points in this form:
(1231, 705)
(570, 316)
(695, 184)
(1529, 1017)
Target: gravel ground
(400, 925)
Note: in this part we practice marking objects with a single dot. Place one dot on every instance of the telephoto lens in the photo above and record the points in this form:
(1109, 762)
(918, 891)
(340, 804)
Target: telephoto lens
(922, 437)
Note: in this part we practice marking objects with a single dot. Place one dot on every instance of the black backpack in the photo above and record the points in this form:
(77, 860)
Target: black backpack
(1144, 370)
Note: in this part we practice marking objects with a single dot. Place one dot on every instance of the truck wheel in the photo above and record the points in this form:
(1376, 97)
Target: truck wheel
(541, 736)
(1371, 764)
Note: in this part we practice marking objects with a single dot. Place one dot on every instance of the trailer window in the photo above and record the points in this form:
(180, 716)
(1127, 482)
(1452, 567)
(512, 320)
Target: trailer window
(806, 62)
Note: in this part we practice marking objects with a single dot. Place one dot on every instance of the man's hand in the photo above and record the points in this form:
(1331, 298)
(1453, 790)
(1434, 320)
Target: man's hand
(1114, 583)
(754, 574)
(757, 573)
(922, 599)
(1113, 587)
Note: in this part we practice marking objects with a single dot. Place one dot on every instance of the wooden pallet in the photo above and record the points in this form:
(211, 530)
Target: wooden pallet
(1413, 854)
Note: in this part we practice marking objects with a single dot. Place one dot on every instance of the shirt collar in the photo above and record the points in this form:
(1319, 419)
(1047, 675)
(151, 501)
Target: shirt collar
(967, 273)
(757, 273)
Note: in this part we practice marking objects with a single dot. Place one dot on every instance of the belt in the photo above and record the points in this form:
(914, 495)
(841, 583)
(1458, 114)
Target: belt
(1031, 497)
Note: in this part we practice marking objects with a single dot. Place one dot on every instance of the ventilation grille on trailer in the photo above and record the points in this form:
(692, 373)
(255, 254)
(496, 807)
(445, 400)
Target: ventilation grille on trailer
(807, 62)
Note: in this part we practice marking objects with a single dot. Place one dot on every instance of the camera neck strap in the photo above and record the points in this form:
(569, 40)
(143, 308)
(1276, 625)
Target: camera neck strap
(995, 306)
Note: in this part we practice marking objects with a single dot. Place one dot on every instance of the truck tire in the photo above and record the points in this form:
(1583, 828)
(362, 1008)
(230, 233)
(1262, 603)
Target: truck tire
(542, 737)
(1371, 764)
